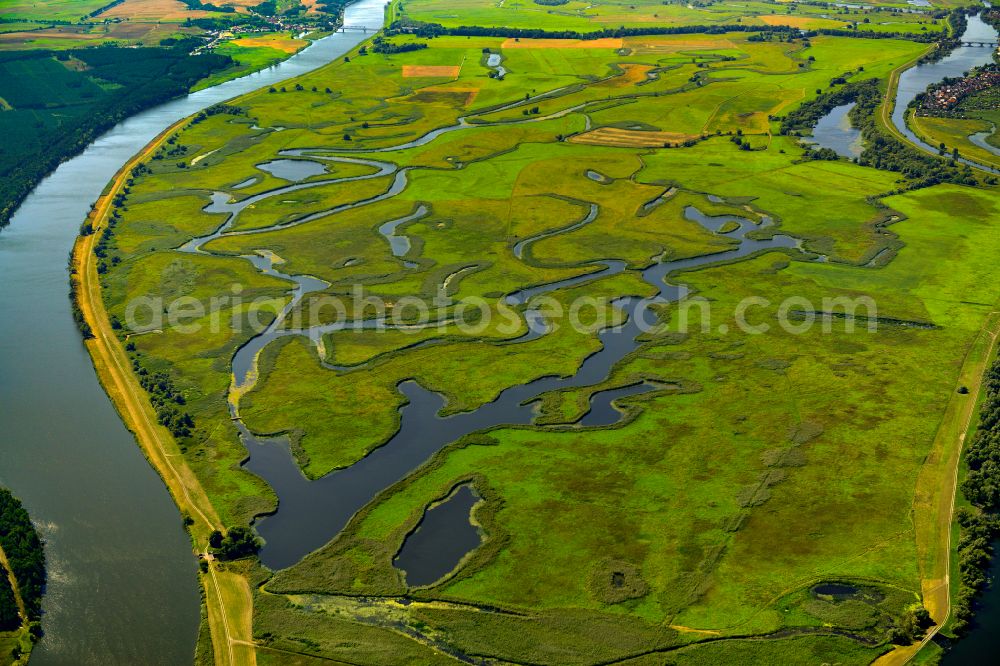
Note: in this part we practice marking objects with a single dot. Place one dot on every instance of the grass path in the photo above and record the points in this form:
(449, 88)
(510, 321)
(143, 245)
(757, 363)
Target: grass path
(227, 595)
(21, 610)
(934, 497)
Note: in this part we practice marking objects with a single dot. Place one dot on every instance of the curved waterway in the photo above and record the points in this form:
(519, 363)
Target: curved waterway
(915, 80)
(122, 578)
(311, 512)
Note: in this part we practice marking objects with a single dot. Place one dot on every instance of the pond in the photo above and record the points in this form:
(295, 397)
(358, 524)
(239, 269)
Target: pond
(834, 131)
(445, 535)
(294, 170)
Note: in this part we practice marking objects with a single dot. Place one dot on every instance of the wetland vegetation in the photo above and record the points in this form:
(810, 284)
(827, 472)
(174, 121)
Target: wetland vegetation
(641, 490)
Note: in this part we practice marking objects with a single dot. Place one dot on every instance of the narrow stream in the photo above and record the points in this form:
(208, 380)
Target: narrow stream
(122, 585)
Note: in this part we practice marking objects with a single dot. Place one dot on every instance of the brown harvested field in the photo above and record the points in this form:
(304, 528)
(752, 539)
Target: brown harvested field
(606, 43)
(668, 45)
(279, 42)
(622, 138)
(443, 71)
(154, 10)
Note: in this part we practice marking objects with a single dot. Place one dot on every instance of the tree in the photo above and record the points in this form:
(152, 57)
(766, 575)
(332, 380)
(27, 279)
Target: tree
(239, 542)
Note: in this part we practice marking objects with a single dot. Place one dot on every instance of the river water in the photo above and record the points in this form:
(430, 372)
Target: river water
(122, 578)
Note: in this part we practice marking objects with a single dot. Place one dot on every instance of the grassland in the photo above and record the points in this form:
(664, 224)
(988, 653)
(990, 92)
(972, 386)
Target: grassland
(774, 461)
(954, 135)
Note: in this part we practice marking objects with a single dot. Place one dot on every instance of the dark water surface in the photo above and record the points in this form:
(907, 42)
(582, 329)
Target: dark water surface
(443, 538)
(834, 131)
(122, 579)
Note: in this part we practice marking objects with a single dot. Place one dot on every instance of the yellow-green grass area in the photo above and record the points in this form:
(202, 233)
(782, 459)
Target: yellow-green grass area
(954, 133)
(589, 17)
(763, 464)
(262, 51)
(13, 643)
(848, 227)
(19, 26)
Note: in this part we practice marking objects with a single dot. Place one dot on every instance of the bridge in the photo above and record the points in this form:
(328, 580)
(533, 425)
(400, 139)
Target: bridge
(987, 43)
(356, 28)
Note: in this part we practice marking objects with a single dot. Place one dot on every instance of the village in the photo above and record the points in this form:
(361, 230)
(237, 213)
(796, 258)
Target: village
(941, 100)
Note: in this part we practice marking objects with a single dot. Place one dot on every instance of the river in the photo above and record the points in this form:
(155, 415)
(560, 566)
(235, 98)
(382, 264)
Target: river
(122, 577)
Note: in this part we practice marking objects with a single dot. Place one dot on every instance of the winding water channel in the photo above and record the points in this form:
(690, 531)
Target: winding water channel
(122, 578)
(122, 586)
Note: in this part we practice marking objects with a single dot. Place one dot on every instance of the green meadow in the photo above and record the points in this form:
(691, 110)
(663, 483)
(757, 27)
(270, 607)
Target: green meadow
(694, 530)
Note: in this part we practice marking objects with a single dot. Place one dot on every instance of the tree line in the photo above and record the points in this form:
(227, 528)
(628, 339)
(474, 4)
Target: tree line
(23, 548)
(436, 29)
(981, 525)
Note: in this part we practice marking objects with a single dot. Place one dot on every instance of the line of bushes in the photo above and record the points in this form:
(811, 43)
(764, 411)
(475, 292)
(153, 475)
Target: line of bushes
(436, 29)
(164, 396)
(380, 45)
(236, 543)
(98, 12)
(980, 526)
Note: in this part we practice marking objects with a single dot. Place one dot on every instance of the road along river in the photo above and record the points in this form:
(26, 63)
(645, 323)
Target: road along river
(122, 578)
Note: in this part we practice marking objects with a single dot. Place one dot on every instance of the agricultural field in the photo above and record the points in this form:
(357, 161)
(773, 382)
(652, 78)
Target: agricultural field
(735, 483)
(49, 10)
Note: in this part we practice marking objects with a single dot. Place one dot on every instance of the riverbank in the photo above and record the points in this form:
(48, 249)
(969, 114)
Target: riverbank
(113, 370)
(113, 536)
